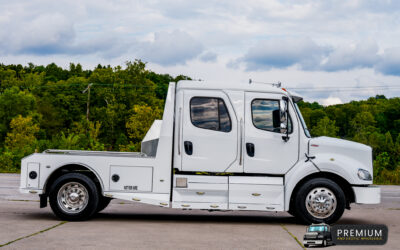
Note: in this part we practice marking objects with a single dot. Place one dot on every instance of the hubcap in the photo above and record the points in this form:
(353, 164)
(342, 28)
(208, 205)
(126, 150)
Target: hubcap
(321, 202)
(72, 197)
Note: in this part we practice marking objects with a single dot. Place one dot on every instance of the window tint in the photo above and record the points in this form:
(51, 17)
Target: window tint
(210, 113)
(263, 112)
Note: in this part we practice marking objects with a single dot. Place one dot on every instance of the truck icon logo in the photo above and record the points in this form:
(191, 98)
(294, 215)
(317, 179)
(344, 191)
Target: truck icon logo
(318, 235)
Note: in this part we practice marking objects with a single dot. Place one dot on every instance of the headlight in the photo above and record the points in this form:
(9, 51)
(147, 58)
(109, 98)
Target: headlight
(364, 175)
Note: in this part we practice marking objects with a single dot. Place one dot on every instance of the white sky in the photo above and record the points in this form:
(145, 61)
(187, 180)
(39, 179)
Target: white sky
(304, 43)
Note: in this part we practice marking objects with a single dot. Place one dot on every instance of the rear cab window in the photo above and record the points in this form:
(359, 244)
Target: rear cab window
(210, 113)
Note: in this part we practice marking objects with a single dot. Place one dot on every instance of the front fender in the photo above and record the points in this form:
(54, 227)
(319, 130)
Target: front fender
(341, 165)
(294, 176)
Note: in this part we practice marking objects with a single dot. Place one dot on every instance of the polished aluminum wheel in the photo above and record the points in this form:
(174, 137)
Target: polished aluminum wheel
(72, 197)
(321, 202)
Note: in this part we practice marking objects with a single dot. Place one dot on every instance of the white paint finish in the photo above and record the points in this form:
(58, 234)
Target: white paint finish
(255, 207)
(133, 176)
(33, 166)
(154, 131)
(202, 189)
(264, 180)
(367, 195)
(272, 154)
(201, 194)
(228, 86)
(342, 157)
(162, 167)
(148, 198)
(202, 179)
(213, 151)
(236, 98)
(256, 194)
(200, 205)
(301, 170)
(178, 147)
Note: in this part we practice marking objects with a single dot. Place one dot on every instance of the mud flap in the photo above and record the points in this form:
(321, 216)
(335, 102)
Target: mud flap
(43, 200)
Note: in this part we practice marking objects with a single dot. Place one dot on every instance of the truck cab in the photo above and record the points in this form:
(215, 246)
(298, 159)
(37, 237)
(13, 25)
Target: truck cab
(318, 235)
(219, 146)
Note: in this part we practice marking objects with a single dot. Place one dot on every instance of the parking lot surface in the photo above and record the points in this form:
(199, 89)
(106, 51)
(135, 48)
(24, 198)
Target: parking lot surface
(125, 225)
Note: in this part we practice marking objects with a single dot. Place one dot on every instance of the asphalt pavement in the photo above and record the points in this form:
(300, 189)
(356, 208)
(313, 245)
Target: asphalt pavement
(125, 225)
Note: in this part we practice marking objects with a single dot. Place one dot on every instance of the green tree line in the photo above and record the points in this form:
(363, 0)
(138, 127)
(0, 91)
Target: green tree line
(45, 107)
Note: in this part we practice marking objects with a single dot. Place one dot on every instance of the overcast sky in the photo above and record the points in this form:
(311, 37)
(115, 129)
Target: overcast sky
(336, 48)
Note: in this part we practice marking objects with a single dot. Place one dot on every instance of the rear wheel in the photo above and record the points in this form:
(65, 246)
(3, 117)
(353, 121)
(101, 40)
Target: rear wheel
(319, 200)
(74, 197)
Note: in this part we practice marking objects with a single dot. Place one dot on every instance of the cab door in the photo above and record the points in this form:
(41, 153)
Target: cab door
(265, 150)
(209, 131)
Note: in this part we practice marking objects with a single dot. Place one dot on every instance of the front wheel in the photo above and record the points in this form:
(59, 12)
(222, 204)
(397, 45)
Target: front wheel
(74, 197)
(319, 200)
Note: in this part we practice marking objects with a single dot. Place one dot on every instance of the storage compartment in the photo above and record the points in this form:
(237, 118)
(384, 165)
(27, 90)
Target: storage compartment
(33, 175)
(255, 194)
(131, 178)
(202, 189)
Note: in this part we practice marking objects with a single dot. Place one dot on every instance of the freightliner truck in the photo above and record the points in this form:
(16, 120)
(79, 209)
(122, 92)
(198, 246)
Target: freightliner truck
(219, 146)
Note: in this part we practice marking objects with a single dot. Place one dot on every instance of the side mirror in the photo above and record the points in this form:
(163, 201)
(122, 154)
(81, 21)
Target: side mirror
(283, 106)
(284, 103)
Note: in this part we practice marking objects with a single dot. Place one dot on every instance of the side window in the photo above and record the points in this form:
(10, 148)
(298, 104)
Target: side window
(263, 112)
(210, 113)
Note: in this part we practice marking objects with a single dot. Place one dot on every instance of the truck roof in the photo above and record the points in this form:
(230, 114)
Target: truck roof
(228, 85)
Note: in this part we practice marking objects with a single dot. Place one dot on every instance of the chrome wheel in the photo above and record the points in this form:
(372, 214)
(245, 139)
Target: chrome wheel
(321, 202)
(72, 197)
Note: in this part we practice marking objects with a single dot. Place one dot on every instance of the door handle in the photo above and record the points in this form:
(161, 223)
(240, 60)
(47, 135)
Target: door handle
(188, 147)
(250, 149)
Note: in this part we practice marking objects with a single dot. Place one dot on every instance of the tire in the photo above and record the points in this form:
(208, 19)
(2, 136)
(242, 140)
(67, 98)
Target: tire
(327, 194)
(324, 243)
(74, 197)
(103, 203)
(305, 245)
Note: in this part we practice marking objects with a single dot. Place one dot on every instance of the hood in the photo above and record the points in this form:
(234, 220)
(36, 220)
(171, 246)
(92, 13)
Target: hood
(357, 151)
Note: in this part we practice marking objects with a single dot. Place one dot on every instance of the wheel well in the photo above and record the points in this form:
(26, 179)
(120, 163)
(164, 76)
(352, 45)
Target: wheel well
(71, 168)
(344, 184)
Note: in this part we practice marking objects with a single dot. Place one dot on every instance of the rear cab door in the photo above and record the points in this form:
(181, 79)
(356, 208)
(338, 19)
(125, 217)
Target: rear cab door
(207, 141)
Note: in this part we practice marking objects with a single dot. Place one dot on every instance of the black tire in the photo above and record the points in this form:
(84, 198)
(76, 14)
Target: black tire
(103, 203)
(305, 245)
(92, 197)
(301, 211)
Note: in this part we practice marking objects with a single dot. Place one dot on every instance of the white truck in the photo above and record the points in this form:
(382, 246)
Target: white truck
(219, 146)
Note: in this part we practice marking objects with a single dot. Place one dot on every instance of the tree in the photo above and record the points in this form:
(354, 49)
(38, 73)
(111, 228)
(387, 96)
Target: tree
(362, 126)
(325, 127)
(14, 102)
(139, 123)
(22, 138)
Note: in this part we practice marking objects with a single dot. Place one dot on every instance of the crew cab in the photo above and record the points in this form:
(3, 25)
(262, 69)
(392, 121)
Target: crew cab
(219, 146)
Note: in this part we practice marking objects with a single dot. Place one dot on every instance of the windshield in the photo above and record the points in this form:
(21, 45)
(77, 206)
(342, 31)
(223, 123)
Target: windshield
(302, 121)
(316, 229)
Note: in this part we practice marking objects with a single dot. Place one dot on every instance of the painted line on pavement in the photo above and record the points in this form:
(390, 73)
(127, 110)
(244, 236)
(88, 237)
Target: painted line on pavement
(31, 235)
